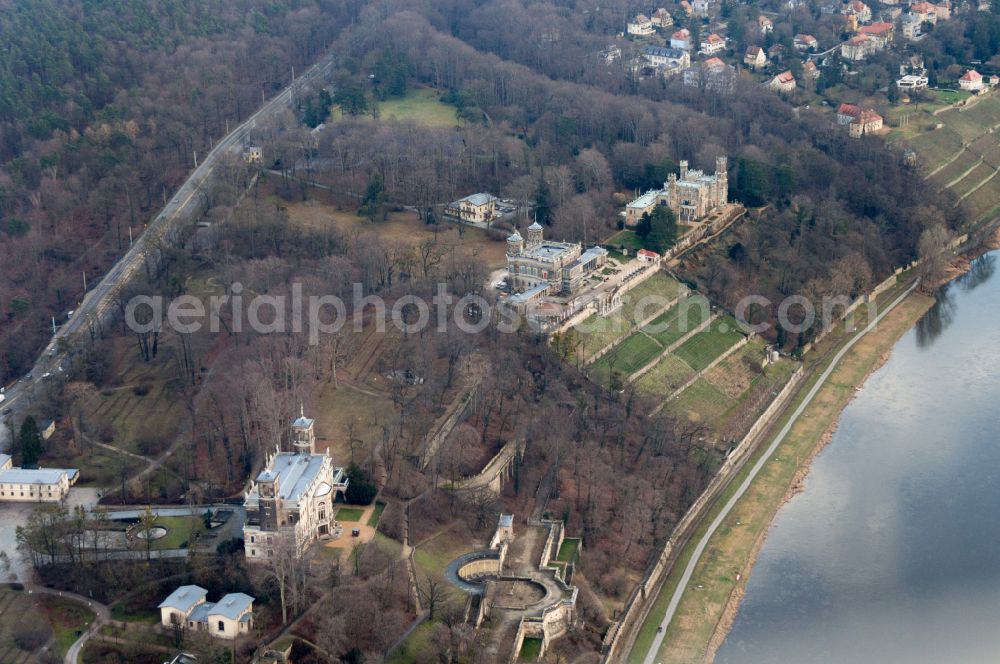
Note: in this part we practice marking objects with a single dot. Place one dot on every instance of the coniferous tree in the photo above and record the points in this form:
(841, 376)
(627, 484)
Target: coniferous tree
(30, 441)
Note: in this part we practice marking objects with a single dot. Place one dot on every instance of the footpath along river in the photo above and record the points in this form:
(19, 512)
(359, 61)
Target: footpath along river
(891, 552)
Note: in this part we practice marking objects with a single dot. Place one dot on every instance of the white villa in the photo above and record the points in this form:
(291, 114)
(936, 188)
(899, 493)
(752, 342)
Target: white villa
(34, 485)
(230, 617)
(473, 208)
(292, 497)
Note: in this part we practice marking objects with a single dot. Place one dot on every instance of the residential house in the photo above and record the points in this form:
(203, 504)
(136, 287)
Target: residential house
(640, 26)
(805, 42)
(810, 70)
(755, 58)
(912, 82)
(701, 8)
(292, 500)
(712, 44)
(765, 24)
(669, 61)
(34, 485)
(611, 53)
(858, 47)
(783, 82)
(925, 12)
(910, 26)
(475, 208)
(712, 74)
(186, 608)
(681, 39)
(776, 52)
(662, 19)
(971, 80)
(943, 10)
(846, 113)
(686, 7)
(881, 32)
(858, 121)
(647, 256)
(868, 121)
(913, 65)
(858, 10)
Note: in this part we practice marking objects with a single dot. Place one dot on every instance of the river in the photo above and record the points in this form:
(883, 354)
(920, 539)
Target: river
(891, 552)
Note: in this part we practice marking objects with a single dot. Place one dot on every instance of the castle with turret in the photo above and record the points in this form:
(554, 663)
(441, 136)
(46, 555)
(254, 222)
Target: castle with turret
(536, 266)
(292, 499)
(692, 195)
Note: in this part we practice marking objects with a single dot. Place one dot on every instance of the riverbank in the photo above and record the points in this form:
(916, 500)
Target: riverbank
(706, 610)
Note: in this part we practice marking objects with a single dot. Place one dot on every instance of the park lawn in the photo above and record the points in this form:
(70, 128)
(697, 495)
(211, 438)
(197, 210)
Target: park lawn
(568, 549)
(701, 402)
(68, 619)
(630, 355)
(729, 550)
(701, 350)
(376, 514)
(181, 532)
(416, 644)
(349, 513)
(531, 648)
(387, 545)
(679, 320)
(627, 239)
(951, 96)
(669, 374)
(433, 554)
(422, 105)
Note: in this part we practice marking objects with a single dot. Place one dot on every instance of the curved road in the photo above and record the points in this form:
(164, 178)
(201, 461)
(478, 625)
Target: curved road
(727, 508)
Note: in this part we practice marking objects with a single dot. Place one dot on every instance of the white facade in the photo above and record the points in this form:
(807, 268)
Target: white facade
(911, 82)
(292, 499)
(34, 485)
(186, 608)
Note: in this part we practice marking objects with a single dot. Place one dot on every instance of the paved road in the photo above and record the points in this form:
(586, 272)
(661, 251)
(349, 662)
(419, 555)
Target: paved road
(102, 614)
(764, 458)
(100, 301)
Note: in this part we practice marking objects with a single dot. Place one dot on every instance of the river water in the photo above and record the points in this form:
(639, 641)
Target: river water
(892, 551)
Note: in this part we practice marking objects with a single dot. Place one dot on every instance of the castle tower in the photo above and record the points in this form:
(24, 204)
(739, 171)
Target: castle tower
(722, 182)
(684, 169)
(304, 434)
(535, 233)
(267, 485)
(515, 244)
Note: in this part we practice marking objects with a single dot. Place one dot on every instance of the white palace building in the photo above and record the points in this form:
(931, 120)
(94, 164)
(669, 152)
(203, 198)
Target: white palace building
(293, 496)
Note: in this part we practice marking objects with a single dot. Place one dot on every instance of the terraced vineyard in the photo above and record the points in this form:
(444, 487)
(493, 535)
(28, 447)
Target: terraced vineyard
(726, 398)
(599, 331)
(966, 149)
